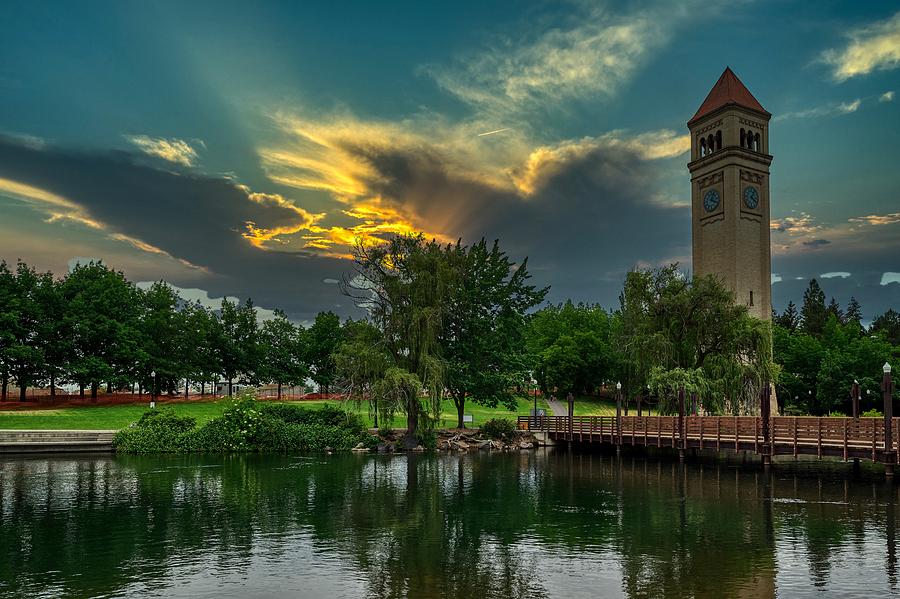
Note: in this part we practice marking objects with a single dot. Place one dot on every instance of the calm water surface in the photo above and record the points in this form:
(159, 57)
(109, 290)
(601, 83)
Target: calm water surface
(543, 524)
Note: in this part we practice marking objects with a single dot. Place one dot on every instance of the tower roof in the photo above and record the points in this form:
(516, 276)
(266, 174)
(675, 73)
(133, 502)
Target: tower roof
(728, 90)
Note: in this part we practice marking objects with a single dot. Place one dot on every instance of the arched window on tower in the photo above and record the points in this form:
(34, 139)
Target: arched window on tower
(711, 143)
(702, 147)
(719, 139)
(756, 142)
(743, 137)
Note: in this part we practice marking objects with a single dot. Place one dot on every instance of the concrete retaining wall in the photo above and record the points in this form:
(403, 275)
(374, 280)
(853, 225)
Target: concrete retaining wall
(52, 441)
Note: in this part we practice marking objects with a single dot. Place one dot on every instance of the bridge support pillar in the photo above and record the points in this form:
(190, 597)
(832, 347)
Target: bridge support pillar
(767, 461)
(889, 471)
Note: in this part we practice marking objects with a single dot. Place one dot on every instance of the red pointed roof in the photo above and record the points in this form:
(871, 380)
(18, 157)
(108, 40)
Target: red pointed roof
(728, 90)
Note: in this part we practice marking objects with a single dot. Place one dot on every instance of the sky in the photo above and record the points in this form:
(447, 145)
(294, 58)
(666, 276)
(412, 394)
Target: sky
(242, 148)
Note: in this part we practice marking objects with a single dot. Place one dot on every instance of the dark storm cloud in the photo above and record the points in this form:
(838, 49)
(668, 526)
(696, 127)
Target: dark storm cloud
(588, 220)
(194, 218)
(865, 255)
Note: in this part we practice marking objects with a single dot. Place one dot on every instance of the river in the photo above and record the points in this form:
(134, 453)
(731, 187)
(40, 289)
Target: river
(530, 524)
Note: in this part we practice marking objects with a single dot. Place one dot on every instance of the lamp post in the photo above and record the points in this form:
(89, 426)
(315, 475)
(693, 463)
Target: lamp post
(619, 415)
(152, 389)
(854, 396)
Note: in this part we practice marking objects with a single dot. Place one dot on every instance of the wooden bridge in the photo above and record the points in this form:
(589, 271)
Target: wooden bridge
(845, 438)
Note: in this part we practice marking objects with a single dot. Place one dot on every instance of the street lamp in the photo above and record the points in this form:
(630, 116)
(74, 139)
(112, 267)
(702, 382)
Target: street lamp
(152, 389)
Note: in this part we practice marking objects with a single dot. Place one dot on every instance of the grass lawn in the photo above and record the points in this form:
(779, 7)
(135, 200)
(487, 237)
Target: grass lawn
(595, 406)
(120, 416)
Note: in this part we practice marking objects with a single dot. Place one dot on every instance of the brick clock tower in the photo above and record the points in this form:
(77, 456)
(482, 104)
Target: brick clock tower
(730, 193)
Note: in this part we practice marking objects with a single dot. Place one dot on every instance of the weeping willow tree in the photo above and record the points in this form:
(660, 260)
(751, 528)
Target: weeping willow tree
(405, 284)
(677, 331)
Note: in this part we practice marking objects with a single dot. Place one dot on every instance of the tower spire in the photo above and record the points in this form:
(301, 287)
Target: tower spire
(728, 90)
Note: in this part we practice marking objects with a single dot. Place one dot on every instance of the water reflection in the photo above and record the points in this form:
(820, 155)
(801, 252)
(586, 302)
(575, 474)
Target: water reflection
(539, 524)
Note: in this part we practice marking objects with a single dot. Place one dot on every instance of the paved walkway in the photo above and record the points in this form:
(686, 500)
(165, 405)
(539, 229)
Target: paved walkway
(557, 407)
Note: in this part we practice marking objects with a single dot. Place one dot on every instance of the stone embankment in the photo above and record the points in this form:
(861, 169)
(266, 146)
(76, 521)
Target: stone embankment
(54, 441)
(460, 440)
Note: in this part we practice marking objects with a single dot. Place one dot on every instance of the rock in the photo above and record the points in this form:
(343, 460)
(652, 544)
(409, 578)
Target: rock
(385, 448)
(526, 445)
(418, 448)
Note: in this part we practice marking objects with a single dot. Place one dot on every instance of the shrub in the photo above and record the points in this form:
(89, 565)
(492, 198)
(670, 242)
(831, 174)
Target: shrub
(873, 413)
(499, 428)
(247, 425)
(427, 438)
(157, 431)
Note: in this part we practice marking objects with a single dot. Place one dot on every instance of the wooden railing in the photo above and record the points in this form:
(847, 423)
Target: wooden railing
(841, 437)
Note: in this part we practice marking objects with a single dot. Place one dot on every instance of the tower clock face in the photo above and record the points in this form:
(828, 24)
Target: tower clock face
(711, 200)
(751, 197)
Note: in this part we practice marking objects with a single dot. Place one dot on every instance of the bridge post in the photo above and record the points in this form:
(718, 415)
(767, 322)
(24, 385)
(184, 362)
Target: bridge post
(887, 388)
(682, 442)
(854, 396)
(618, 418)
(765, 408)
(570, 399)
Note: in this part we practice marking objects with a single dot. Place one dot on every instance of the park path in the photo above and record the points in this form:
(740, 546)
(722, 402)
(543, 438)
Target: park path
(557, 407)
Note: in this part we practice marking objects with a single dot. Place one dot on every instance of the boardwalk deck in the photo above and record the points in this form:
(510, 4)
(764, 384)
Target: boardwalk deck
(845, 438)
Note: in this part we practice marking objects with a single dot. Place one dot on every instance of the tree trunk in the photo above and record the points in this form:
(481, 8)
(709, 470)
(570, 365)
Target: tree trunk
(53, 386)
(186, 383)
(140, 390)
(460, 410)
(4, 383)
(81, 390)
(94, 387)
(279, 391)
(230, 387)
(412, 423)
(108, 387)
(202, 388)
(22, 395)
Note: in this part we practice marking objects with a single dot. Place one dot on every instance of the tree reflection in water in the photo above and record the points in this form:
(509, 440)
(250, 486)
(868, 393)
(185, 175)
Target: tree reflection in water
(486, 525)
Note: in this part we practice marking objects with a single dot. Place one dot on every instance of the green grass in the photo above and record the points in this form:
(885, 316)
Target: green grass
(120, 416)
(595, 406)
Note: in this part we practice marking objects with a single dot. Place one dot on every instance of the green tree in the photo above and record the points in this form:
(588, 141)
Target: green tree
(161, 329)
(888, 326)
(362, 361)
(282, 352)
(407, 284)
(102, 315)
(571, 348)
(853, 315)
(789, 319)
(200, 338)
(834, 309)
(483, 336)
(238, 343)
(53, 337)
(671, 322)
(24, 354)
(813, 313)
(322, 341)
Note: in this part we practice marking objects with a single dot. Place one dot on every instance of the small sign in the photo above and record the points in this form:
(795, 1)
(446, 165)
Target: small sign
(468, 418)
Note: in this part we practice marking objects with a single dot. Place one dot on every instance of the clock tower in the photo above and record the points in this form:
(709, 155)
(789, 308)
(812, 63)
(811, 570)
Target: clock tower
(730, 193)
